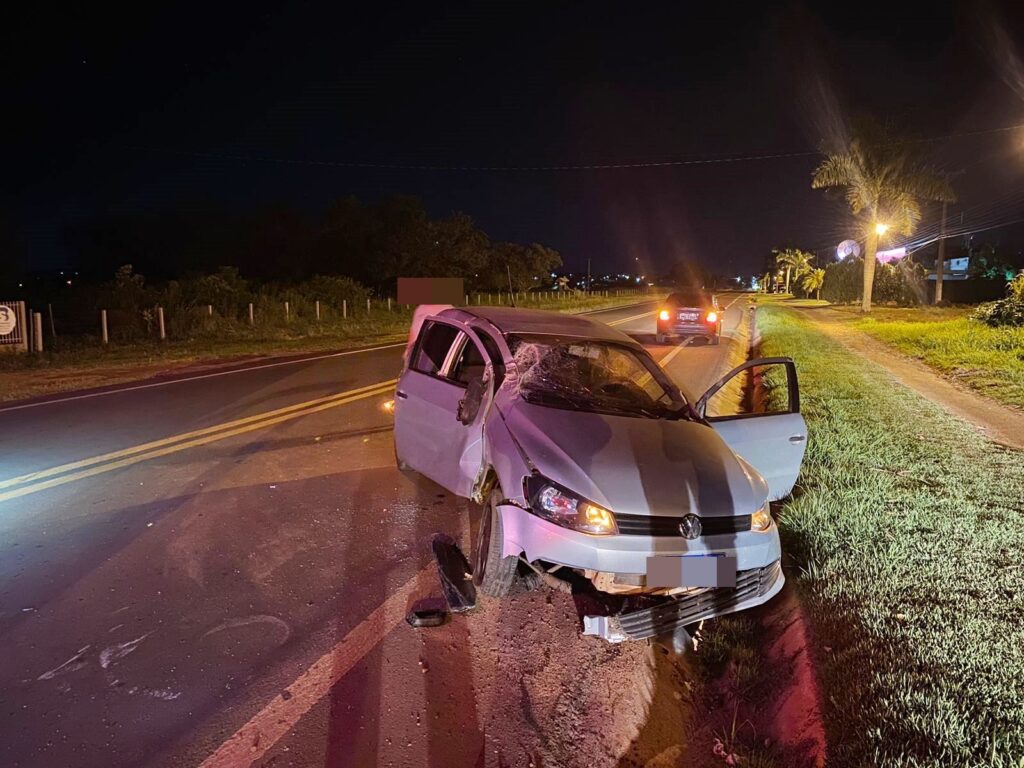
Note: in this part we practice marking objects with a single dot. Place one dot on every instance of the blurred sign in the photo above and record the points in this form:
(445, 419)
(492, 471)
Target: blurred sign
(8, 319)
(12, 325)
(431, 290)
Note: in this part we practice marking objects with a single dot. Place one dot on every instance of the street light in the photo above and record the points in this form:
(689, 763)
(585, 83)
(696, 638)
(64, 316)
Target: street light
(881, 229)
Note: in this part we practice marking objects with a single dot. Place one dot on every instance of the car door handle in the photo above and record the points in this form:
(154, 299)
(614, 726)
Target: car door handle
(401, 394)
(797, 438)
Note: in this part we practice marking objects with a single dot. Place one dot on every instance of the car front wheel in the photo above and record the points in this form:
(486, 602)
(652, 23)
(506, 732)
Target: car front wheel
(493, 574)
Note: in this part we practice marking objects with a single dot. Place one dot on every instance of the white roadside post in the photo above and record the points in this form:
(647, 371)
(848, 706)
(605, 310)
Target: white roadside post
(37, 330)
(318, 310)
(287, 313)
(389, 303)
(103, 326)
(209, 309)
(160, 322)
(344, 309)
(252, 316)
(367, 306)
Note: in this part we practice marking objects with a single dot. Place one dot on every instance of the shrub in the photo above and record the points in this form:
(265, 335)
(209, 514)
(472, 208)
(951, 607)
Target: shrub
(1008, 311)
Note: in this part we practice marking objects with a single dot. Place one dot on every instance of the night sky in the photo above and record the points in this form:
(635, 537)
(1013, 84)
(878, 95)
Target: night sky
(132, 108)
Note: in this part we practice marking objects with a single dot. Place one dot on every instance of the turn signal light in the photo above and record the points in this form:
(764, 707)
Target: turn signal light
(712, 317)
(664, 315)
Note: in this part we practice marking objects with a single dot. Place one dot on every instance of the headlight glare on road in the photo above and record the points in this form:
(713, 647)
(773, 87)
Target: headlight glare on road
(762, 519)
(559, 506)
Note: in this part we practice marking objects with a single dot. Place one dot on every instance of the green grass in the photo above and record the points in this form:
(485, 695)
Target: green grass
(989, 360)
(907, 529)
(76, 363)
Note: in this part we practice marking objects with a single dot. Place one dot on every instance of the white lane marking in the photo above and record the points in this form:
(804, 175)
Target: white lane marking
(254, 739)
(88, 395)
(678, 348)
(246, 369)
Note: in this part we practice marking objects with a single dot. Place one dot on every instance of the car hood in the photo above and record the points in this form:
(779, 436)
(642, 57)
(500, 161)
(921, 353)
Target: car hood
(637, 465)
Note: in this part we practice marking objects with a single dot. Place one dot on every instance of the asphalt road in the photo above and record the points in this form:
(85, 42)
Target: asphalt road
(214, 570)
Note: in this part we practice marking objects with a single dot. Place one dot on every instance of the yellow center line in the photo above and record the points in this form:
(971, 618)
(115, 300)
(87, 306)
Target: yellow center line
(634, 317)
(134, 455)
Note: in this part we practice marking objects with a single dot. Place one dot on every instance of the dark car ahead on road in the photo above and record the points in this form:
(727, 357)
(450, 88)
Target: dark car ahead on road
(690, 313)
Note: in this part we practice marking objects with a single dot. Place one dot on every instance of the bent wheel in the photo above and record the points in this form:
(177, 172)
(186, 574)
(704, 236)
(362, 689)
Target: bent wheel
(493, 574)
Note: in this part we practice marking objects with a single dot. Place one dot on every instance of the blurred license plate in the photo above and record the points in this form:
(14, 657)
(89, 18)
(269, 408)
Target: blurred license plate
(691, 571)
(691, 316)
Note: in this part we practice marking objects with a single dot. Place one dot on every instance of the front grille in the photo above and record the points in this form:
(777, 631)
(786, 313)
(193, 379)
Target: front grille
(699, 604)
(650, 525)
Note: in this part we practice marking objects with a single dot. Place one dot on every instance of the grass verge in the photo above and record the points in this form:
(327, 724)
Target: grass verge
(78, 365)
(989, 360)
(906, 527)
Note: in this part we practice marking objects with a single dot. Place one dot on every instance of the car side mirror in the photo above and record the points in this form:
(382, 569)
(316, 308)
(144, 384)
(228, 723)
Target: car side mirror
(469, 406)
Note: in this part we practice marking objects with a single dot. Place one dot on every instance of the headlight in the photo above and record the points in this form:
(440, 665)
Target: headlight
(562, 507)
(762, 519)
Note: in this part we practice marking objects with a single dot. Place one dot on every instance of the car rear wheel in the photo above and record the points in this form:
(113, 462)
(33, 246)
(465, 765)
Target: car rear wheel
(659, 338)
(493, 574)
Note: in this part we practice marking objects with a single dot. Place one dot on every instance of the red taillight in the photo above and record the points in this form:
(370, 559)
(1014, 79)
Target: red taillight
(712, 317)
(664, 315)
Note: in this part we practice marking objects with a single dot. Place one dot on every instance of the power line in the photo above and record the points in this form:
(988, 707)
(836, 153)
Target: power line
(724, 159)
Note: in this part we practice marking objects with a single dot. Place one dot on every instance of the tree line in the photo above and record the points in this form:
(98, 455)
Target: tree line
(372, 244)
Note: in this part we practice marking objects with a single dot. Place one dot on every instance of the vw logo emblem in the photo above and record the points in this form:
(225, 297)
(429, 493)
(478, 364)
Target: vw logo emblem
(690, 527)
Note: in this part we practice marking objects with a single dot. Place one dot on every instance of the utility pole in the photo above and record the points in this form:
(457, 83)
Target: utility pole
(941, 262)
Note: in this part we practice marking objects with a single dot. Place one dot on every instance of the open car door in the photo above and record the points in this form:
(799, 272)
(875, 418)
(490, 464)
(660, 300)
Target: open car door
(755, 408)
(441, 402)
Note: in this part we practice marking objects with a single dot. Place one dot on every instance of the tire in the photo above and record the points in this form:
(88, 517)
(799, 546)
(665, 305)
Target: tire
(659, 338)
(493, 574)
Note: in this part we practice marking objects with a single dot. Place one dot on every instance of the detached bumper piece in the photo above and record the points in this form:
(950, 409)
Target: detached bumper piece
(692, 607)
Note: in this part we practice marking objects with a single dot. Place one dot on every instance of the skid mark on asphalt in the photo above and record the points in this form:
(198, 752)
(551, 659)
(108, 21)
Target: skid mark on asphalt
(245, 621)
(73, 664)
(114, 652)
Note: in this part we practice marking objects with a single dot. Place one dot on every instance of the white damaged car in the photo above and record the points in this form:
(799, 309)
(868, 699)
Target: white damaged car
(586, 457)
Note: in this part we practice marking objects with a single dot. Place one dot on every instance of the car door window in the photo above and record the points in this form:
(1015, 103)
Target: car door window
(435, 342)
(469, 365)
(757, 388)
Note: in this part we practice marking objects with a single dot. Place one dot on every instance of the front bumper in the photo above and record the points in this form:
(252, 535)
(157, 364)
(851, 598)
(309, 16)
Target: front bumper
(753, 587)
(526, 533)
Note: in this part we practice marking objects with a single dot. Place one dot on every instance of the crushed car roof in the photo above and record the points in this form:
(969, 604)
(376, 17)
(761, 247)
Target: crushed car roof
(510, 320)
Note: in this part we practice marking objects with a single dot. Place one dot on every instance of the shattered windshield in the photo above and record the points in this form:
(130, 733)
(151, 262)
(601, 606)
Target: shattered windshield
(594, 376)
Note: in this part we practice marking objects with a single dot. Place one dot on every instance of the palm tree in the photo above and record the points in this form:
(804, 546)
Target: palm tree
(795, 261)
(884, 183)
(813, 281)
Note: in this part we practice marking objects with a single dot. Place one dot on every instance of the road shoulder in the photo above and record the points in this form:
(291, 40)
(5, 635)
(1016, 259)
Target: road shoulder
(1000, 423)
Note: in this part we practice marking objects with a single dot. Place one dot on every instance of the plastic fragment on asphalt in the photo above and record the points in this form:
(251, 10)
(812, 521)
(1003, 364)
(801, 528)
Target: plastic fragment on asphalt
(605, 627)
(455, 574)
(428, 612)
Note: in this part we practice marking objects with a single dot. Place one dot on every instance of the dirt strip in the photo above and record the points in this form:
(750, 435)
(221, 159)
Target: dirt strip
(997, 422)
